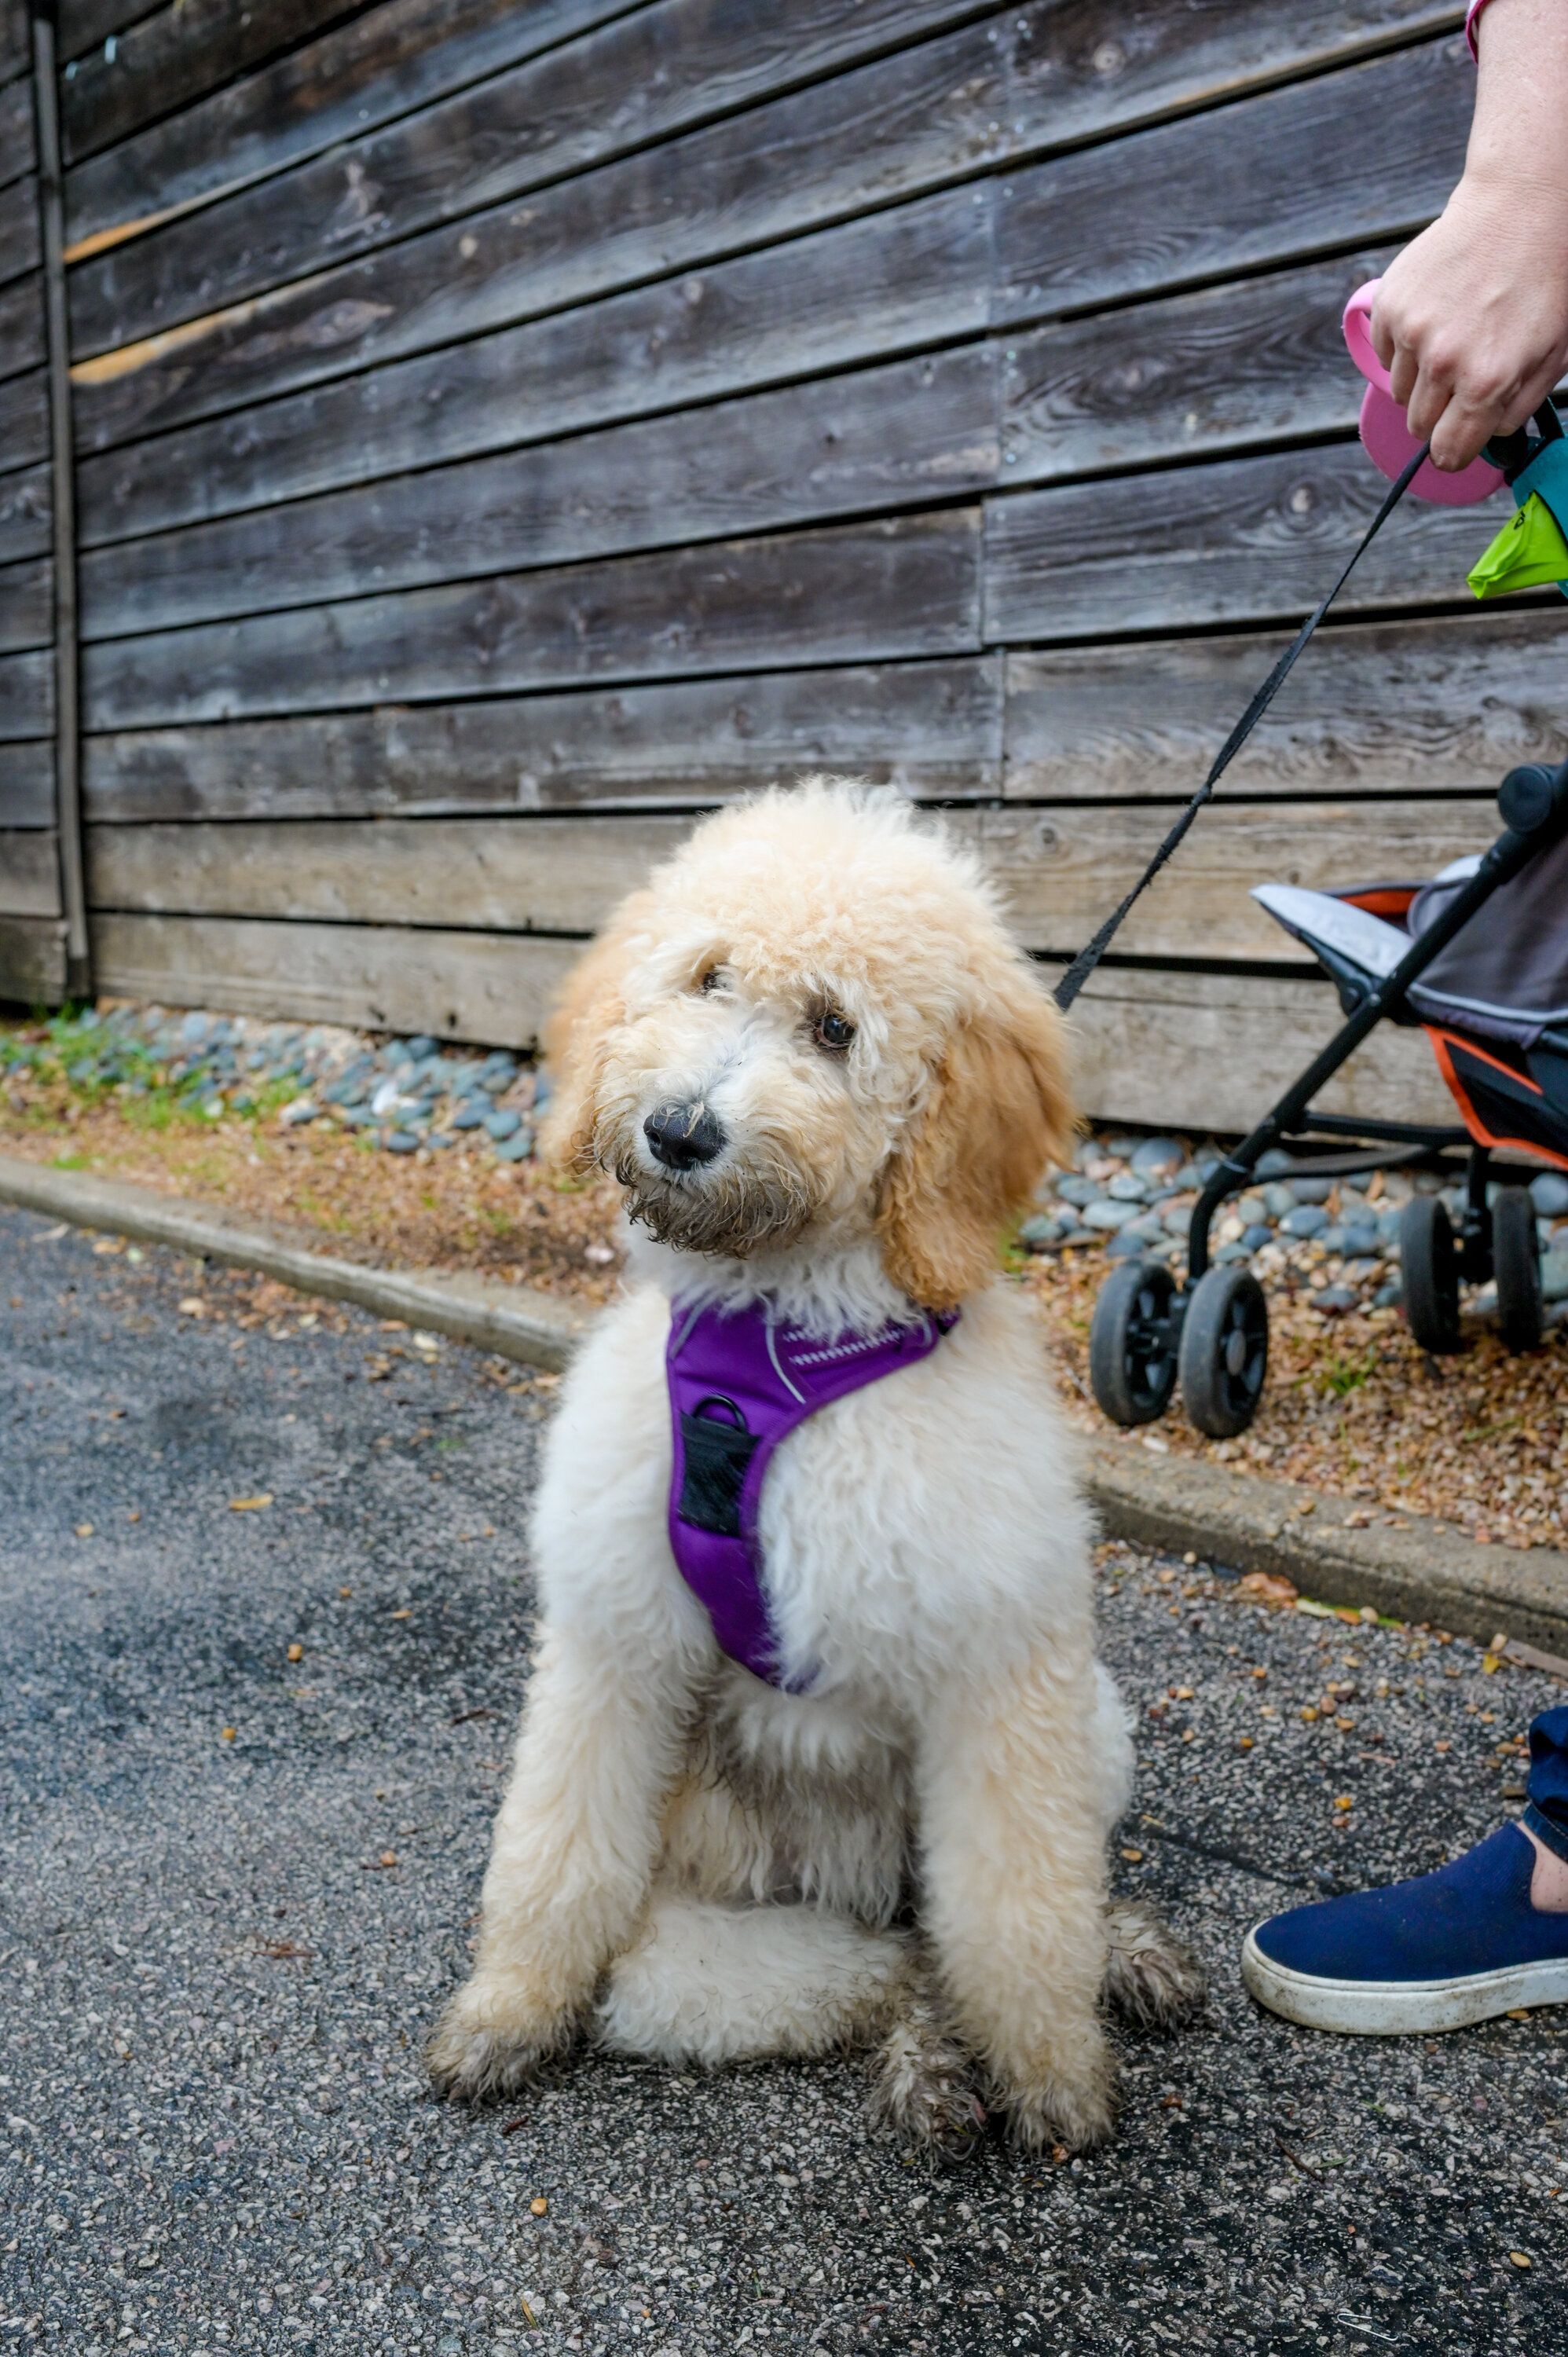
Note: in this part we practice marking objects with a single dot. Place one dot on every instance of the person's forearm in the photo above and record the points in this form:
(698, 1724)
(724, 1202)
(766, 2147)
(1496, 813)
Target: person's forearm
(1518, 135)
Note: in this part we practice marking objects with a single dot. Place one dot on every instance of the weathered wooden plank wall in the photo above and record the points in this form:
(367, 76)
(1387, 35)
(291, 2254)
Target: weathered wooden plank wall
(502, 432)
(32, 934)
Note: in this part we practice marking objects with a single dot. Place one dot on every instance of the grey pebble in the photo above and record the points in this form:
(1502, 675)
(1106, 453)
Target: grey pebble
(1554, 1273)
(516, 1148)
(1549, 1190)
(1125, 1188)
(400, 1141)
(1306, 1219)
(1333, 1300)
(1156, 1156)
(1310, 1190)
(1255, 1237)
(1124, 1245)
(470, 1114)
(1039, 1231)
(1109, 1215)
(502, 1123)
(1073, 1189)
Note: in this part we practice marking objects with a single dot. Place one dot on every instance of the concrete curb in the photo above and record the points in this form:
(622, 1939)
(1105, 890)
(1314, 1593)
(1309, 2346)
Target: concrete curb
(1412, 1569)
(1420, 1572)
(515, 1322)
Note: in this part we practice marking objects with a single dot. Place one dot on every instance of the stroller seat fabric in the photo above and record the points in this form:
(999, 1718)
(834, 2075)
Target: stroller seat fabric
(1337, 928)
(1494, 1003)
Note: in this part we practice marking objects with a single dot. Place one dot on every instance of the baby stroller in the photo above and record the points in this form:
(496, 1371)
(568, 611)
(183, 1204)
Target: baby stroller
(1478, 958)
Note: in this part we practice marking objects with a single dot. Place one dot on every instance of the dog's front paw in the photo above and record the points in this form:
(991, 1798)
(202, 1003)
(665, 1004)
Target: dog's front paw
(924, 2093)
(1151, 1978)
(1071, 2102)
(492, 2037)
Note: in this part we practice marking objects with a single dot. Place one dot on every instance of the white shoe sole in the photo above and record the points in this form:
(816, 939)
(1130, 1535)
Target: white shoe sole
(1399, 2009)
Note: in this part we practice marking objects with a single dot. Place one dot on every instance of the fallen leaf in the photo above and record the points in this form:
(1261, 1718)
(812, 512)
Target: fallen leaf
(1490, 1664)
(251, 1505)
(528, 2312)
(1519, 2013)
(1059, 2153)
(1268, 1588)
(1345, 1801)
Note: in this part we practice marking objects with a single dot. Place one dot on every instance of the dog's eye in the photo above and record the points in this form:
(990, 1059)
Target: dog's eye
(833, 1030)
(713, 980)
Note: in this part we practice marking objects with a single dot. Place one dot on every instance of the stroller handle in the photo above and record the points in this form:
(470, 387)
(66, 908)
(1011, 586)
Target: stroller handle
(1533, 800)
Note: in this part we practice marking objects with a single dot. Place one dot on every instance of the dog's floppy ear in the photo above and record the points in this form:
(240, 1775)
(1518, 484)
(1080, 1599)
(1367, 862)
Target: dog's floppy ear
(996, 1113)
(589, 1006)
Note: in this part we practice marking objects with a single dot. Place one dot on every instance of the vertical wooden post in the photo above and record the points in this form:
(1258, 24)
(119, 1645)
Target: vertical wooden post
(67, 722)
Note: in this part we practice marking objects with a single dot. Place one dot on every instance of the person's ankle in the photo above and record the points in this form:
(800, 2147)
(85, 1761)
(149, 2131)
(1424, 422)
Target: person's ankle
(1548, 1883)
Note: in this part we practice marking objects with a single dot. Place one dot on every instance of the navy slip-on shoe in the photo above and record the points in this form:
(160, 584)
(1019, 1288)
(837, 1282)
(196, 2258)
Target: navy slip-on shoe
(1435, 1954)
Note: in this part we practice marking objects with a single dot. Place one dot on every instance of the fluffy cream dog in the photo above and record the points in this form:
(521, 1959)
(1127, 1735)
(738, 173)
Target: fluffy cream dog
(824, 1077)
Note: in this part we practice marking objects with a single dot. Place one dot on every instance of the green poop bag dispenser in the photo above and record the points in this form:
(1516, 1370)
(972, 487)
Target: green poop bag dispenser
(1532, 547)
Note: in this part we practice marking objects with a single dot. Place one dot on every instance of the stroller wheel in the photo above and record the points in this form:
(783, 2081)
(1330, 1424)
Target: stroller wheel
(1132, 1349)
(1224, 1351)
(1516, 1263)
(1429, 1270)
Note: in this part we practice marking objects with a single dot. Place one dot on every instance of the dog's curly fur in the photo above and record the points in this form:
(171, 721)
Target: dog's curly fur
(689, 1863)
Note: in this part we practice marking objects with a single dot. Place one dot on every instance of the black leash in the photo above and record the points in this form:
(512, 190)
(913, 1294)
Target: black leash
(1088, 957)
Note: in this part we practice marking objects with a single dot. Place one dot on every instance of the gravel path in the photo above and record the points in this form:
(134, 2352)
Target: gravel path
(235, 1887)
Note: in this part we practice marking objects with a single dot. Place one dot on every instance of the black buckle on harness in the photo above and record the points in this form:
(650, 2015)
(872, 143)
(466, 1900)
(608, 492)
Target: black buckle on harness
(716, 1456)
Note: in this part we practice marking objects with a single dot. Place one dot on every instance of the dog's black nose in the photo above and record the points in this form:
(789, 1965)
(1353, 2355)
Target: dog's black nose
(684, 1137)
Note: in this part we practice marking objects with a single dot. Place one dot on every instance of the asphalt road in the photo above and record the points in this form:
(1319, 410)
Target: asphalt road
(234, 1887)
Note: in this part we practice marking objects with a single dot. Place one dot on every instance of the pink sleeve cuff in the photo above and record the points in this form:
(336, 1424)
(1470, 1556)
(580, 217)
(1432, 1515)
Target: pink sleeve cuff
(1471, 21)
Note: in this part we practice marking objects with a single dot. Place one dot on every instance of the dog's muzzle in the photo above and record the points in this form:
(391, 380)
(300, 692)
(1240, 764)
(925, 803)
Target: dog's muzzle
(684, 1137)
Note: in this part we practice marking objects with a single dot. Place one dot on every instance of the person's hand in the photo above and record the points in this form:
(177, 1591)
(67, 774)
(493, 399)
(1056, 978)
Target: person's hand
(1471, 320)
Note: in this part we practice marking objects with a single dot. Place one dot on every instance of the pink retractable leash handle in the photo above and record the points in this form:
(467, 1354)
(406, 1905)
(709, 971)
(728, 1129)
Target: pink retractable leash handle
(1386, 439)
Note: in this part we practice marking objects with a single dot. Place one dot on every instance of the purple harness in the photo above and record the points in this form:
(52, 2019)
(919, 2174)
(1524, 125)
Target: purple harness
(739, 1383)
